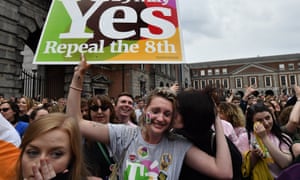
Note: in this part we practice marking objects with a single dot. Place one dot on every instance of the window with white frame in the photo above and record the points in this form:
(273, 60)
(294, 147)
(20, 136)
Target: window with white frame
(225, 83)
(281, 67)
(268, 81)
(283, 80)
(292, 79)
(202, 72)
(210, 82)
(238, 83)
(217, 71)
(224, 70)
(291, 66)
(209, 72)
(253, 81)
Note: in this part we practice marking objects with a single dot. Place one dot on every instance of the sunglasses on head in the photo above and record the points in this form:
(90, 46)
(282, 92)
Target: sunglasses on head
(4, 109)
(95, 108)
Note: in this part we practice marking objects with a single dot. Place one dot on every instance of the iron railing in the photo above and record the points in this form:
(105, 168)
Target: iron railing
(33, 84)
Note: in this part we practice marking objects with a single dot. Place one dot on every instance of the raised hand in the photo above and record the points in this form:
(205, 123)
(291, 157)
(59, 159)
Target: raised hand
(83, 65)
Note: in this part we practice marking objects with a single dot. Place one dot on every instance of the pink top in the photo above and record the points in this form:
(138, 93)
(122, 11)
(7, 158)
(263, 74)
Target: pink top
(273, 167)
(229, 132)
(237, 135)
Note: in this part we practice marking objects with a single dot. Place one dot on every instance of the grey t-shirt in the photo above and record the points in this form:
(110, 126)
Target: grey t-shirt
(147, 161)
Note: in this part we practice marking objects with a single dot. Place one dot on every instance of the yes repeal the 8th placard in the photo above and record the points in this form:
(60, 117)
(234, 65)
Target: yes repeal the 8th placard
(111, 31)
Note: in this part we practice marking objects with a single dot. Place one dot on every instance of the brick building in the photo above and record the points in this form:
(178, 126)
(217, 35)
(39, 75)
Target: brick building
(277, 73)
(137, 79)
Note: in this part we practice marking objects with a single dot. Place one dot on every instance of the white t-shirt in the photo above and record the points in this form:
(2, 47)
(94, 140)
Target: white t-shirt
(8, 133)
(147, 161)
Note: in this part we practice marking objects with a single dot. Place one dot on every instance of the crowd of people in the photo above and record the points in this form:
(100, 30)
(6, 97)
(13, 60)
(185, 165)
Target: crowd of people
(168, 134)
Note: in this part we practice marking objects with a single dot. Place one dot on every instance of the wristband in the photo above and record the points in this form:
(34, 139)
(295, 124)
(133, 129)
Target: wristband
(76, 88)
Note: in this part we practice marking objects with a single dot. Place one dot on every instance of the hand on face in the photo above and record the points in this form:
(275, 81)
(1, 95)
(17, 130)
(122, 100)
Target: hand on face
(43, 172)
(46, 170)
(47, 155)
(259, 129)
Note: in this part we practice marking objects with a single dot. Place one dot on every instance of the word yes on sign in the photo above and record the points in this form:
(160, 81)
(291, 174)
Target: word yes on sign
(111, 31)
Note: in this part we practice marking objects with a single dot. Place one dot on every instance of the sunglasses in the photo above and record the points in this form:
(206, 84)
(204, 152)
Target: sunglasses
(4, 109)
(95, 108)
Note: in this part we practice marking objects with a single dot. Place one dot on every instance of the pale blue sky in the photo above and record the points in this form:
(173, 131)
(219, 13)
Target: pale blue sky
(215, 30)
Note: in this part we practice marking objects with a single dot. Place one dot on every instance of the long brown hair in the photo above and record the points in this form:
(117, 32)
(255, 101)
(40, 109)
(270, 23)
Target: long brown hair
(48, 123)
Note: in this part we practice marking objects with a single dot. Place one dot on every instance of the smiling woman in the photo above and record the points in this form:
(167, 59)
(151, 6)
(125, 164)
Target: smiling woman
(149, 151)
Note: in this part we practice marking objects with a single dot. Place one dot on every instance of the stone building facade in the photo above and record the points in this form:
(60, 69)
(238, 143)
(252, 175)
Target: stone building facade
(137, 79)
(277, 73)
(21, 23)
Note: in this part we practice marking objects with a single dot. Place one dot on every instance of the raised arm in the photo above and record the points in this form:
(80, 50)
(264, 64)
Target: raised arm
(74, 96)
(244, 101)
(294, 120)
(218, 167)
(89, 129)
(230, 97)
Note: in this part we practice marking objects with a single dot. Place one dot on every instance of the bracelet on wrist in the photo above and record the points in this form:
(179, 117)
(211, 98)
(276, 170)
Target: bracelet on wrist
(76, 88)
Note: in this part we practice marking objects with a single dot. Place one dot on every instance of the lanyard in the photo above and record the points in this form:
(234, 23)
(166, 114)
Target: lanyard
(104, 153)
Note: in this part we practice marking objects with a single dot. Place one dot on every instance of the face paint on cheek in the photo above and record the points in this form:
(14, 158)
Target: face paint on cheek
(148, 117)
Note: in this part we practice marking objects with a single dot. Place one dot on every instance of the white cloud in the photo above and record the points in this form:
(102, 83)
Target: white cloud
(227, 29)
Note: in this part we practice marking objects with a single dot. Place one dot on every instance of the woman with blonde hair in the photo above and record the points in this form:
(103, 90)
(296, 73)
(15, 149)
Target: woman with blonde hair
(148, 151)
(26, 105)
(51, 147)
(235, 116)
